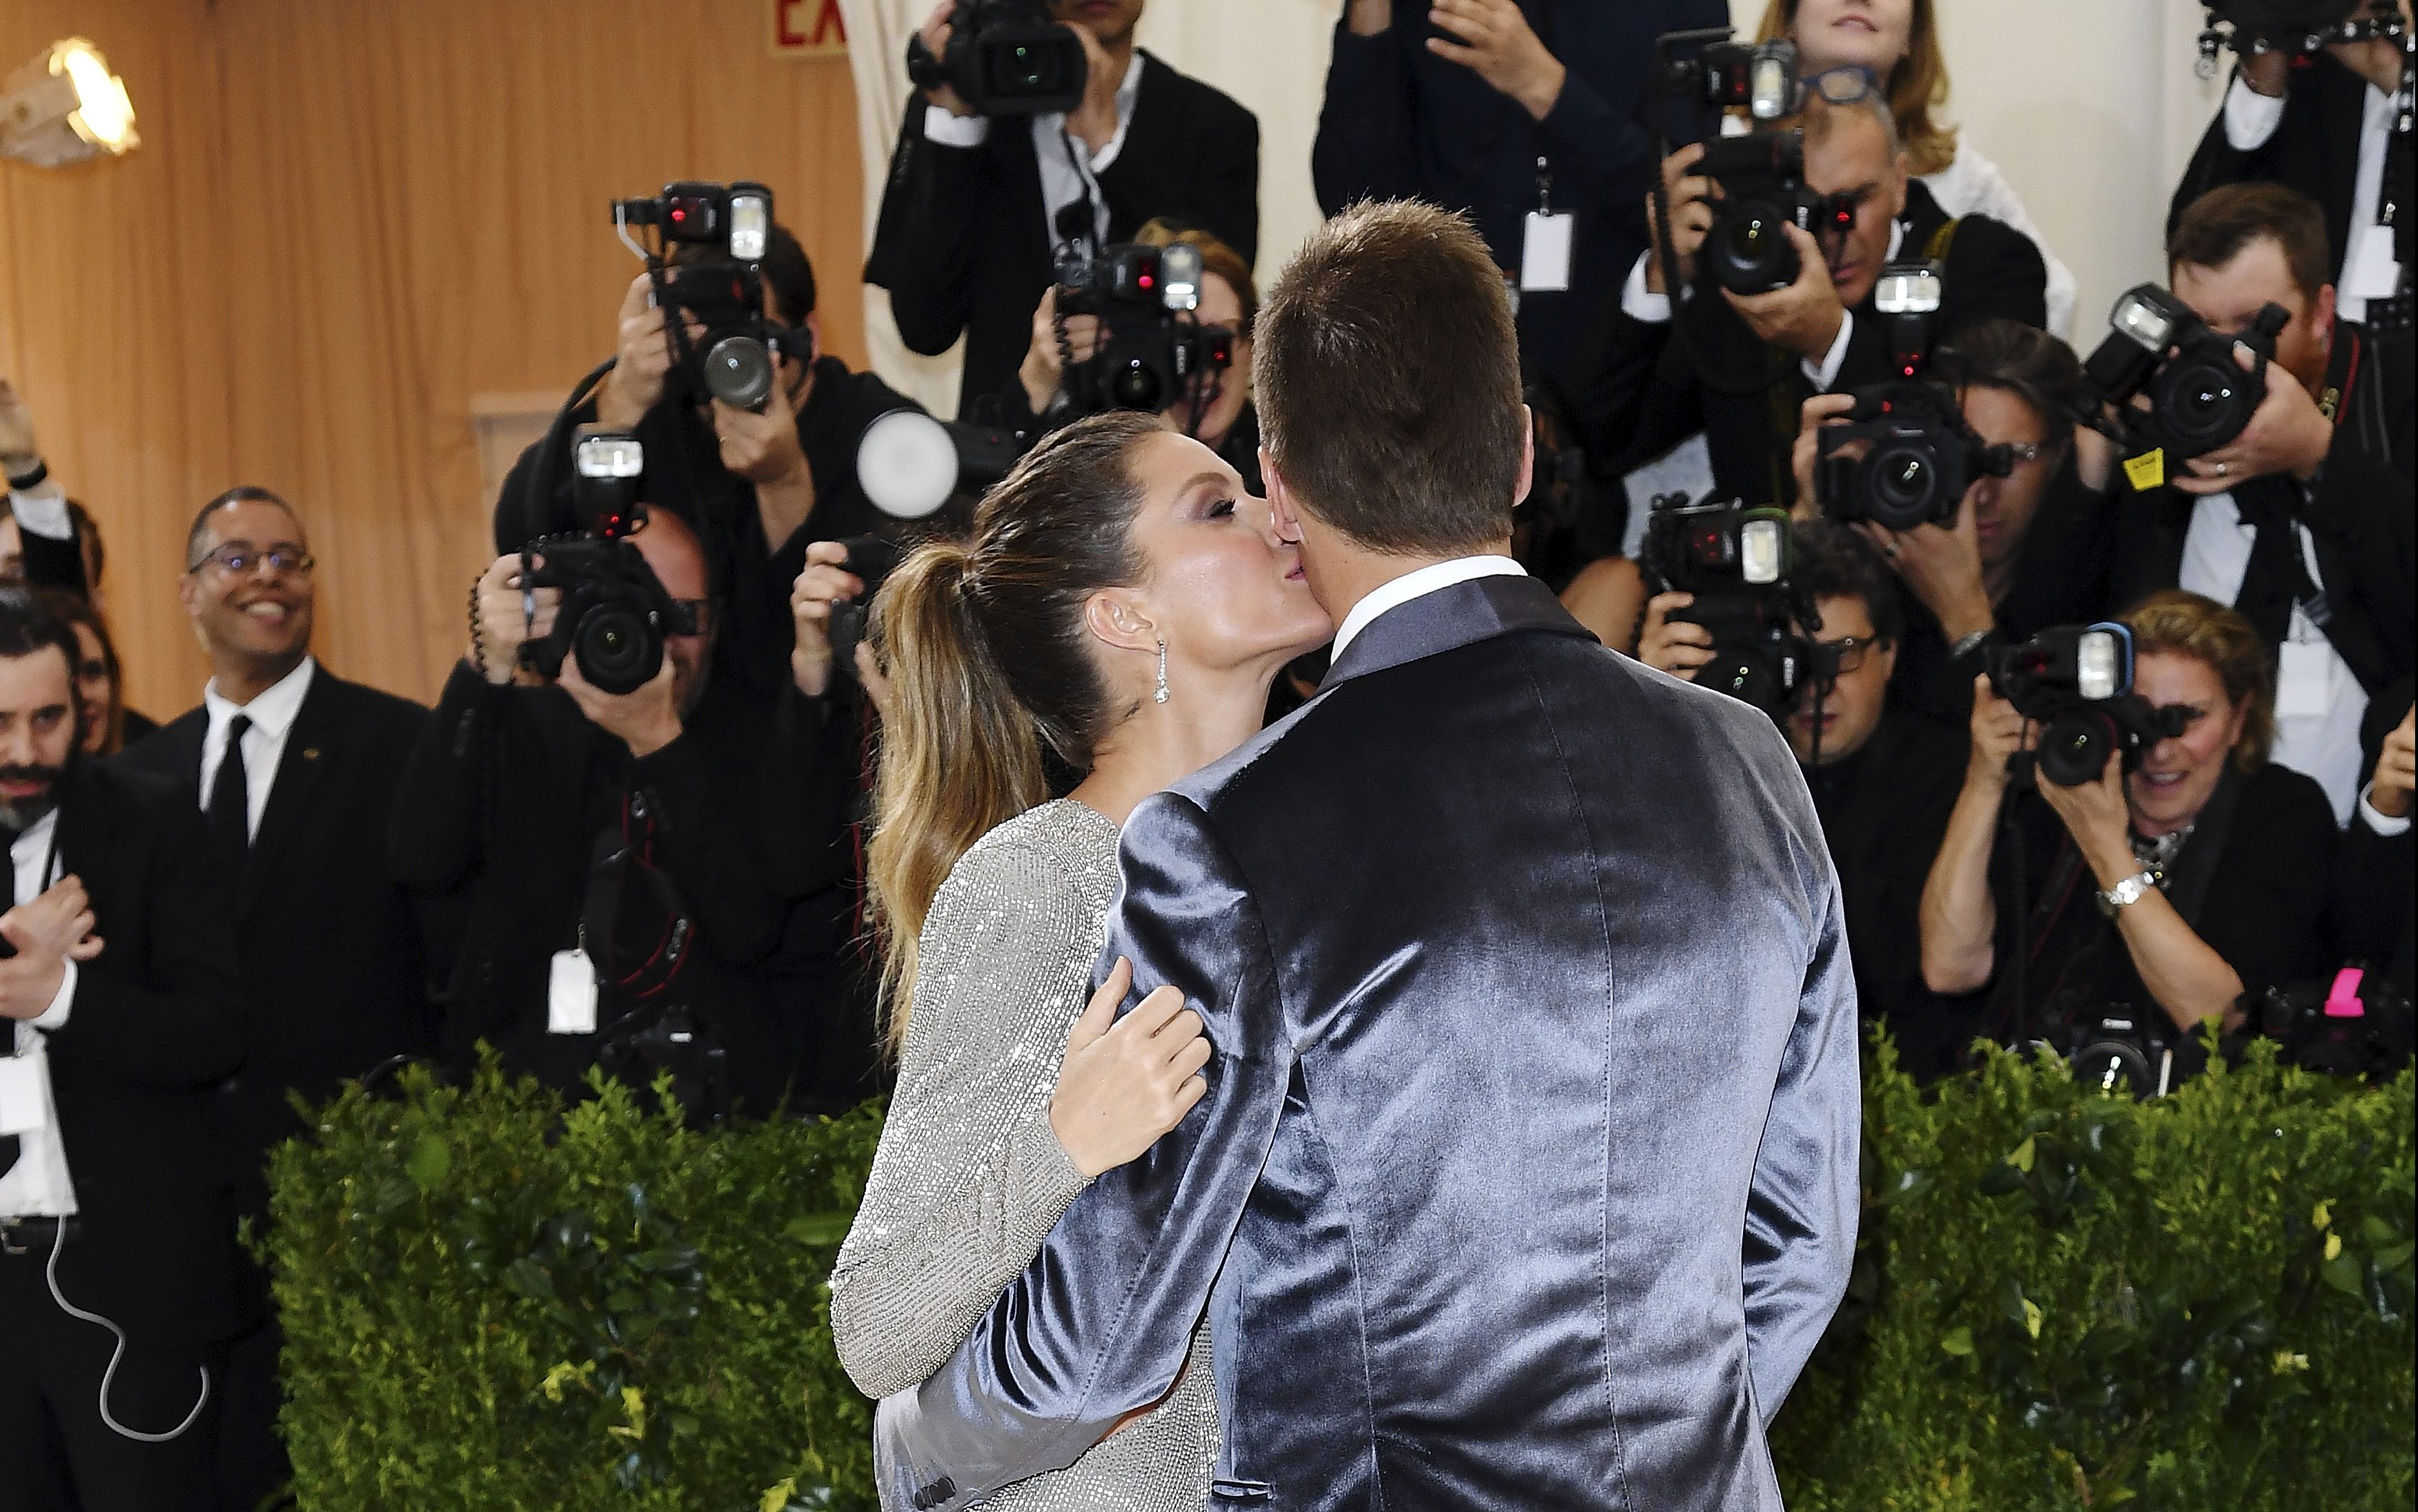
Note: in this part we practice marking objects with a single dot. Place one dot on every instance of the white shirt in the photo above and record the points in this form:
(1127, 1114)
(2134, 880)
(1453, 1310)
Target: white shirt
(1418, 585)
(1642, 304)
(264, 746)
(2371, 270)
(38, 1185)
(2323, 742)
(1065, 179)
(1972, 185)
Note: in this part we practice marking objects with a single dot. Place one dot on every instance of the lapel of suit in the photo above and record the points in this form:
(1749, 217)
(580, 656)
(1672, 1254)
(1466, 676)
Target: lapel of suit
(1450, 618)
(83, 832)
(308, 752)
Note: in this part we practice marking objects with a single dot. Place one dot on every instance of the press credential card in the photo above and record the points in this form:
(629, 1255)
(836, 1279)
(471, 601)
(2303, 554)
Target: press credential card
(2304, 680)
(1545, 253)
(22, 1106)
(571, 995)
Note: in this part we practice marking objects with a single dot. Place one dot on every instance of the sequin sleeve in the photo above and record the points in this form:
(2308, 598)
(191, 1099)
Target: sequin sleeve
(970, 1177)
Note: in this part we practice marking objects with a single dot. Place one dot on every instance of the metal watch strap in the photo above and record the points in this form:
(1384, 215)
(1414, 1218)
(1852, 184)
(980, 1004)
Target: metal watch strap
(2131, 890)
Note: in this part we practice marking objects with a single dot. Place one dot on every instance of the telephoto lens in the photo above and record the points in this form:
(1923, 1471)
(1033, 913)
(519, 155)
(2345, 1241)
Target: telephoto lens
(737, 370)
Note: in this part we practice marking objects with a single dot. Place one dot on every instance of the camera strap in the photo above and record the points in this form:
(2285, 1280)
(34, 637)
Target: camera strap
(643, 961)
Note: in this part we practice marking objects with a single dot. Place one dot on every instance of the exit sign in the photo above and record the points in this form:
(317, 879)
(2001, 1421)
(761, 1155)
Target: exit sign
(808, 29)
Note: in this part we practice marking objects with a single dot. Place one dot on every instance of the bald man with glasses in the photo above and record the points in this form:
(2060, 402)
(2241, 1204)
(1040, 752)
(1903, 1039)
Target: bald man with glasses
(295, 771)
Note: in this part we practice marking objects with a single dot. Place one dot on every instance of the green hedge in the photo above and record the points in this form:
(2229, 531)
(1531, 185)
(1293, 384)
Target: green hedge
(491, 1302)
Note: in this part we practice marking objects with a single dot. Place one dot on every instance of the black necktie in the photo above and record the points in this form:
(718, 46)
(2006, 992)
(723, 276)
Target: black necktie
(230, 812)
(7, 842)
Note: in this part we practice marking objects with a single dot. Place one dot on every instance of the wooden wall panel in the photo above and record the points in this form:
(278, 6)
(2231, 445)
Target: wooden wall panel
(345, 222)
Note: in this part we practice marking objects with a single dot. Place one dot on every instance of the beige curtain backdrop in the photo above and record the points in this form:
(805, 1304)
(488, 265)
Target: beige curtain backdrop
(345, 221)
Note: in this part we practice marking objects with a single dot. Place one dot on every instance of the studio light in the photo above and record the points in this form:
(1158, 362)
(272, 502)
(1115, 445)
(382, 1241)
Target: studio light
(66, 107)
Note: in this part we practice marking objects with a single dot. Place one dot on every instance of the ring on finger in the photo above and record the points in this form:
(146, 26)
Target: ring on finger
(2223, 469)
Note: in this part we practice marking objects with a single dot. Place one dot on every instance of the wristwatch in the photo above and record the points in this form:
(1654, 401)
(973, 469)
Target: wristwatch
(2131, 890)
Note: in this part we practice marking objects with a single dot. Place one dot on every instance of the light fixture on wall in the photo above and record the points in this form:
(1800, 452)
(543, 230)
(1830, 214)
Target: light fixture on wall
(64, 107)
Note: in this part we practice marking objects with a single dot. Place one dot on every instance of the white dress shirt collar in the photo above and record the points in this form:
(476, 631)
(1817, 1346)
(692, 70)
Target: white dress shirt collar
(1418, 585)
(273, 712)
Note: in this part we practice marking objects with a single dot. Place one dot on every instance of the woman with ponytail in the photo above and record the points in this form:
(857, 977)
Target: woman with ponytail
(1113, 623)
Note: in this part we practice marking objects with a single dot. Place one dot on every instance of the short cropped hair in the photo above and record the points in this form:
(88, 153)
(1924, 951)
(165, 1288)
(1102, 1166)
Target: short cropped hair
(240, 494)
(2021, 360)
(1387, 377)
(2214, 228)
(28, 624)
(1818, 117)
(1830, 562)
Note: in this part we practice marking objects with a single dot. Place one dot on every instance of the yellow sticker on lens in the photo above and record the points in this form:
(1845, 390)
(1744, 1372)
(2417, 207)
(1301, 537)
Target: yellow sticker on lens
(2148, 470)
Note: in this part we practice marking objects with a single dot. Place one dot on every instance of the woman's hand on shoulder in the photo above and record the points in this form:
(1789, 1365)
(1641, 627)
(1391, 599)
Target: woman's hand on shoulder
(1127, 1080)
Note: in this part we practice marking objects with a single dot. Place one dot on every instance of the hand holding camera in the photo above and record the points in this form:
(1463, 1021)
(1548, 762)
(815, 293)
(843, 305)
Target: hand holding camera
(509, 614)
(1492, 39)
(645, 719)
(762, 446)
(1802, 317)
(1690, 194)
(2396, 770)
(2286, 434)
(820, 589)
(1044, 370)
(645, 352)
(1679, 647)
(2000, 734)
(937, 30)
(1942, 566)
(2095, 815)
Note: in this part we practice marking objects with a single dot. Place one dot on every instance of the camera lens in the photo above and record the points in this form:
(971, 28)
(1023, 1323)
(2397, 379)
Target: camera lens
(739, 372)
(1133, 386)
(617, 650)
(2202, 404)
(2075, 748)
(1751, 251)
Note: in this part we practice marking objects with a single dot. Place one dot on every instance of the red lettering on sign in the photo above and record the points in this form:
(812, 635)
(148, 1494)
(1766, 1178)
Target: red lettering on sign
(831, 28)
(785, 29)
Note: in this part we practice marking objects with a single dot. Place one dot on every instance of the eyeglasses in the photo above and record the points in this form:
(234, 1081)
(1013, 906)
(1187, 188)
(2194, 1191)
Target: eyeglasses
(238, 558)
(2022, 451)
(1833, 658)
(701, 615)
(1846, 84)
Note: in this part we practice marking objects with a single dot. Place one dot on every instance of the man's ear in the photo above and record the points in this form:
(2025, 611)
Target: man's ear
(1117, 619)
(1527, 457)
(1897, 186)
(1281, 511)
(2322, 317)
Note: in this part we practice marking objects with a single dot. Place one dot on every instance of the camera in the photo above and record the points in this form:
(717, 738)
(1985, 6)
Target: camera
(1922, 458)
(1735, 560)
(1153, 351)
(2199, 398)
(2357, 1025)
(1004, 57)
(731, 359)
(1762, 179)
(871, 559)
(2076, 682)
(1759, 78)
(911, 464)
(2118, 1049)
(615, 613)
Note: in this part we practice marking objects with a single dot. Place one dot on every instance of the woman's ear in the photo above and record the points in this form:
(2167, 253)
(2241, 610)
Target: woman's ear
(1116, 617)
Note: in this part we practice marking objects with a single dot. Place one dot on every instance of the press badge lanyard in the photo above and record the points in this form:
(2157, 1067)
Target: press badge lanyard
(1545, 246)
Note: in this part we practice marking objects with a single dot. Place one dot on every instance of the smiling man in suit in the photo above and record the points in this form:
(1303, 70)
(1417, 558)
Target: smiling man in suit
(295, 771)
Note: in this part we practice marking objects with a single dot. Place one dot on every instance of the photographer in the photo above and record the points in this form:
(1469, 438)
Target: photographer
(2025, 551)
(1218, 413)
(2323, 125)
(748, 485)
(2178, 884)
(976, 208)
(1739, 366)
(1883, 777)
(1459, 103)
(2300, 523)
(1892, 46)
(520, 795)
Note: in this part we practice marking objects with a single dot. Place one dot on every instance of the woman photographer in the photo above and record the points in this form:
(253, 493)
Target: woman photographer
(1847, 47)
(1217, 413)
(109, 726)
(2197, 876)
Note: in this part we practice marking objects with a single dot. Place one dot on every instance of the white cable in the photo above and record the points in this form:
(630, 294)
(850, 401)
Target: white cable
(51, 1275)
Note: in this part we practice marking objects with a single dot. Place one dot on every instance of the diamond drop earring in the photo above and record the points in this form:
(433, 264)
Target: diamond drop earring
(1159, 695)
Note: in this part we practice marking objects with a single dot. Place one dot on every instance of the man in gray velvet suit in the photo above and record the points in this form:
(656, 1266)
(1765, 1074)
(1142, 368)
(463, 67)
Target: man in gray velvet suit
(1527, 1173)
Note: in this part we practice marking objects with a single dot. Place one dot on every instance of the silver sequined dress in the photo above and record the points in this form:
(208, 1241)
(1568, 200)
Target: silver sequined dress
(970, 1177)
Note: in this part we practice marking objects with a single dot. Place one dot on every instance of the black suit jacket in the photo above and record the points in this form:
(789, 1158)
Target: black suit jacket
(156, 1026)
(334, 962)
(1650, 393)
(962, 244)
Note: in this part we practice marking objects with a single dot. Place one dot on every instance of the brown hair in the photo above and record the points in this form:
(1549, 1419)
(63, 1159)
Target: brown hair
(989, 663)
(74, 609)
(1917, 85)
(2021, 360)
(2214, 229)
(1387, 379)
(1216, 257)
(2187, 625)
